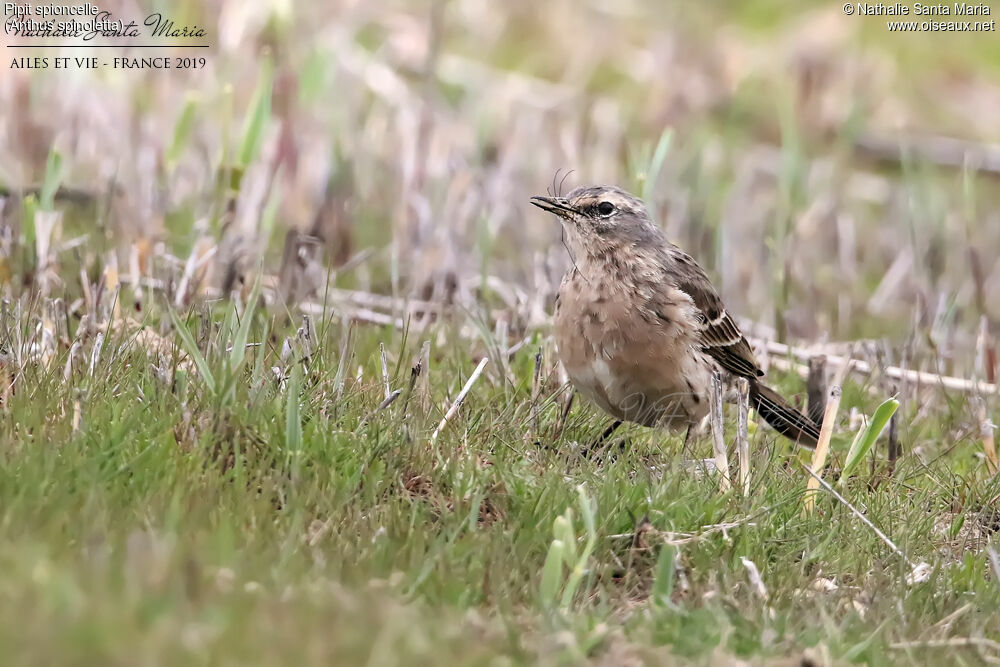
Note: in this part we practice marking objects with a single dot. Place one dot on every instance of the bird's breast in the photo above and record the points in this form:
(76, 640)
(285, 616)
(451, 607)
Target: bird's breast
(630, 347)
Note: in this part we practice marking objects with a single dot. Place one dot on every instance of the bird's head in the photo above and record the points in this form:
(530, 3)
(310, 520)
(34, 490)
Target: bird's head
(596, 217)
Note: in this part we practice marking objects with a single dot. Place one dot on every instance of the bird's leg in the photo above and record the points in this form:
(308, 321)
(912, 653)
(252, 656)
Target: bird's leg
(688, 438)
(690, 460)
(589, 450)
(609, 430)
(691, 435)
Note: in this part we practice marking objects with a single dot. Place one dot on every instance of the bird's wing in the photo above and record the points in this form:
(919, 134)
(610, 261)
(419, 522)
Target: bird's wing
(720, 336)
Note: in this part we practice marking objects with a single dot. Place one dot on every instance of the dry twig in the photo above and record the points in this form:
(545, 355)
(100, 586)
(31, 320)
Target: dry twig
(822, 447)
(742, 434)
(457, 403)
(919, 378)
(718, 439)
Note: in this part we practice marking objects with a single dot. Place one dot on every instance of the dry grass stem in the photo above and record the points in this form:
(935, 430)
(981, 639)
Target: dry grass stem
(820, 482)
(536, 391)
(386, 402)
(950, 642)
(918, 378)
(753, 573)
(385, 370)
(987, 431)
(718, 437)
(457, 403)
(940, 150)
(816, 387)
(822, 446)
(743, 433)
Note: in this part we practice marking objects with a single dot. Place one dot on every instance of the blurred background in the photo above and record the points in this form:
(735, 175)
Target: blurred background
(839, 181)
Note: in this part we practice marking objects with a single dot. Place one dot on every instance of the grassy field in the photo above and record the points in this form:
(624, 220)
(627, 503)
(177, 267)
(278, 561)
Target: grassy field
(276, 378)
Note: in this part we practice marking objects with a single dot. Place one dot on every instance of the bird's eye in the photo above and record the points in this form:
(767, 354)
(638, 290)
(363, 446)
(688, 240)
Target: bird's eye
(605, 208)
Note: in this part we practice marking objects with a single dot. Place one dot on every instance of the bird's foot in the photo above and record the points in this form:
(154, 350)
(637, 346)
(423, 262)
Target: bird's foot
(599, 447)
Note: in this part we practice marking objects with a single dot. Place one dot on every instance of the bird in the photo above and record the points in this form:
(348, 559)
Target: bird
(639, 327)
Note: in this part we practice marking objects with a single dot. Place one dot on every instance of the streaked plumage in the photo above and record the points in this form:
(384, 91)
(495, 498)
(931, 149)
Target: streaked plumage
(639, 326)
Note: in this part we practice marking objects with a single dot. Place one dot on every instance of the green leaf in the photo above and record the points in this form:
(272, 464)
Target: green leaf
(191, 348)
(862, 445)
(579, 569)
(293, 421)
(656, 164)
(53, 176)
(224, 337)
(258, 115)
(239, 345)
(259, 367)
(956, 525)
(552, 572)
(663, 581)
(29, 206)
(312, 76)
(572, 584)
(587, 512)
(562, 528)
(182, 130)
(270, 213)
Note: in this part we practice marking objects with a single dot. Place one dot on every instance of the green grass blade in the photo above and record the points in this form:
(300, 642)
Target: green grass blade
(224, 337)
(53, 177)
(572, 584)
(239, 346)
(578, 570)
(312, 76)
(663, 581)
(656, 164)
(552, 572)
(270, 213)
(293, 420)
(182, 131)
(258, 115)
(863, 445)
(293, 424)
(563, 530)
(189, 345)
(259, 366)
(28, 207)
(587, 512)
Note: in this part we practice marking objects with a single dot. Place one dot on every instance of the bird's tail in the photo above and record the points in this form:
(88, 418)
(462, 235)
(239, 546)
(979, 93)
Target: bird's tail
(785, 419)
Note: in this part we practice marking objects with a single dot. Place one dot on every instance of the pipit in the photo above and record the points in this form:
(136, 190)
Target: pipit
(639, 326)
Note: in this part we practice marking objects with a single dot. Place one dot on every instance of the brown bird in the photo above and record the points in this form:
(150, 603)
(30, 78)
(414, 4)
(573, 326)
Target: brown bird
(639, 326)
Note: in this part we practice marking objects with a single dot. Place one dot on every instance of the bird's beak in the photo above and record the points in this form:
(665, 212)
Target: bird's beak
(557, 205)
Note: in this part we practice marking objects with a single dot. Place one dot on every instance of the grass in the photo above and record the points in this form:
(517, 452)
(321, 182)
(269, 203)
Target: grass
(188, 478)
(178, 524)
